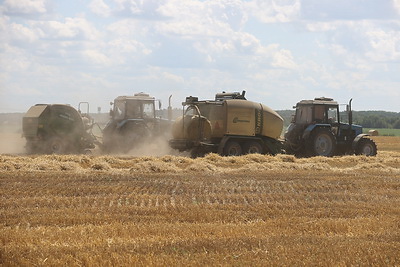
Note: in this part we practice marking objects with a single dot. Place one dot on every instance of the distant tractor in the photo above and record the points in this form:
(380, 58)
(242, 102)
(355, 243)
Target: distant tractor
(230, 125)
(57, 129)
(133, 123)
(317, 130)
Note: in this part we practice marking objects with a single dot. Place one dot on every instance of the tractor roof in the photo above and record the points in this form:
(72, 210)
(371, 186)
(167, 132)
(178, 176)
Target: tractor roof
(318, 101)
(137, 96)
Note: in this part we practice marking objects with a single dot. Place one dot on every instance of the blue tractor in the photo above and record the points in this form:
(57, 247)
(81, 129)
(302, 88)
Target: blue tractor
(319, 128)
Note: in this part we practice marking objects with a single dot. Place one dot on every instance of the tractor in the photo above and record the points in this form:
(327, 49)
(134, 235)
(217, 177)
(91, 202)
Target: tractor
(133, 122)
(319, 128)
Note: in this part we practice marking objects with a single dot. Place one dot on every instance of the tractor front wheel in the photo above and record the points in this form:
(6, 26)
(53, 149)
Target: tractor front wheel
(366, 147)
(321, 143)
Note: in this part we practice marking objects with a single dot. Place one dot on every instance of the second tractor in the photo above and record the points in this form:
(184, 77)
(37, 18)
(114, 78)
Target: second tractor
(319, 128)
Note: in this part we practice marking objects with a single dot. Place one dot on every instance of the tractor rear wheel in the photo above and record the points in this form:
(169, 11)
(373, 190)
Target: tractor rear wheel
(232, 148)
(321, 143)
(366, 147)
(253, 147)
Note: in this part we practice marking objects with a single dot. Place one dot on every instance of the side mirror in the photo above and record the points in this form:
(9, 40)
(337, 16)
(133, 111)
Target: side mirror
(111, 113)
(159, 104)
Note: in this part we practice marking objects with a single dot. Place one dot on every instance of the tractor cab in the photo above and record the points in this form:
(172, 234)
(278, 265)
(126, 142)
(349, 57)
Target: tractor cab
(320, 128)
(139, 106)
(319, 110)
(133, 122)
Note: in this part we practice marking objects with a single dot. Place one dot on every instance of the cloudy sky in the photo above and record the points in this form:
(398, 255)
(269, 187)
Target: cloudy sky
(279, 51)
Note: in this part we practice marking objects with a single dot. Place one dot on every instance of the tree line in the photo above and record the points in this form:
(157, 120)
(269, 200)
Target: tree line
(377, 119)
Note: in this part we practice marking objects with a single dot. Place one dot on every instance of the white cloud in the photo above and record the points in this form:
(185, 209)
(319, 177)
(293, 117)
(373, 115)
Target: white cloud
(127, 28)
(326, 10)
(25, 6)
(100, 8)
(72, 28)
(385, 45)
(97, 57)
(128, 46)
(322, 26)
(147, 9)
(396, 5)
(367, 40)
(194, 19)
(20, 34)
(17, 60)
(283, 59)
(273, 11)
(199, 47)
(172, 77)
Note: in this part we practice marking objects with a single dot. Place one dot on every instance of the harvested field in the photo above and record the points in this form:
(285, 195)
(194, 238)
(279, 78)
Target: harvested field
(252, 210)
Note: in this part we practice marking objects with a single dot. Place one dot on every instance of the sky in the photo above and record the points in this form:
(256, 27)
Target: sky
(278, 51)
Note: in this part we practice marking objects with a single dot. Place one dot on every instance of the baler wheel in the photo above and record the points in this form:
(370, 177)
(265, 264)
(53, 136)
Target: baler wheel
(56, 146)
(233, 148)
(253, 147)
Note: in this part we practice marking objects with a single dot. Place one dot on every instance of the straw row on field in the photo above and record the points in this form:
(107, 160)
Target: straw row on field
(212, 163)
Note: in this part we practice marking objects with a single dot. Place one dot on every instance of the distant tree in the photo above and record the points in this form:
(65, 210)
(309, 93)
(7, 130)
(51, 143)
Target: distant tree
(374, 121)
(396, 125)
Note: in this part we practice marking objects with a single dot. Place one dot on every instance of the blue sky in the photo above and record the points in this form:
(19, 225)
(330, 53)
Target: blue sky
(280, 52)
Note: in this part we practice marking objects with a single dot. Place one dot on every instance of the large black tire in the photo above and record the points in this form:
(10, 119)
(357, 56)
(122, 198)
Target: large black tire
(321, 143)
(366, 147)
(56, 145)
(233, 148)
(253, 147)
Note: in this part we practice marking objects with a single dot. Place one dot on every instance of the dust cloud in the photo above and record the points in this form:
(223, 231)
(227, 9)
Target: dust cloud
(153, 147)
(11, 143)
(11, 140)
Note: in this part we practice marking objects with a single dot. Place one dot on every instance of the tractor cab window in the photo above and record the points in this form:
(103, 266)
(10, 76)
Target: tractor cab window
(303, 114)
(332, 115)
(119, 109)
(319, 113)
(148, 110)
(325, 114)
(133, 110)
(344, 114)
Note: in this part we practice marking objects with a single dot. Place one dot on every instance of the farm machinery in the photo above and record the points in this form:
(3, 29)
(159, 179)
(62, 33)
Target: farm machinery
(230, 125)
(61, 129)
(58, 129)
(317, 129)
(134, 122)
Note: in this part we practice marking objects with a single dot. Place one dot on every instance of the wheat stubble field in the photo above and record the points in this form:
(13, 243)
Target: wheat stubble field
(80, 210)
